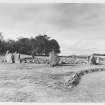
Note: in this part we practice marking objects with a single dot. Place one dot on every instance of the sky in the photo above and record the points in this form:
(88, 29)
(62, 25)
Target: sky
(79, 28)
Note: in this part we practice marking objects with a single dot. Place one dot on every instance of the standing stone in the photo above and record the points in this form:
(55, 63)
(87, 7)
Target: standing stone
(88, 59)
(17, 57)
(98, 60)
(5, 58)
(13, 58)
(9, 58)
(53, 59)
(33, 56)
(92, 60)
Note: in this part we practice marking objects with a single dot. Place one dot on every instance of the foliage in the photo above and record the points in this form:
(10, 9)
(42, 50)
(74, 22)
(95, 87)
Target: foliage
(39, 45)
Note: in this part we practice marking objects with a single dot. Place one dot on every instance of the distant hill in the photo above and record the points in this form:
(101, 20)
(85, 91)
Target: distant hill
(96, 54)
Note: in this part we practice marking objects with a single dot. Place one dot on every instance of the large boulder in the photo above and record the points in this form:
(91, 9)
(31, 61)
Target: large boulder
(72, 80)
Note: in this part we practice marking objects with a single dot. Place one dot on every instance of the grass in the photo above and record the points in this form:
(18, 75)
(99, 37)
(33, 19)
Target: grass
(40, 83)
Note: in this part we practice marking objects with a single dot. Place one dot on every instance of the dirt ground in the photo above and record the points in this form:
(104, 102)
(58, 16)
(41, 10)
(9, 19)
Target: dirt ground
(32, 83)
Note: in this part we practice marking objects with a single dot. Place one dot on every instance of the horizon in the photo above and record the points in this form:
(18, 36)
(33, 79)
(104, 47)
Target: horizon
(78, 27)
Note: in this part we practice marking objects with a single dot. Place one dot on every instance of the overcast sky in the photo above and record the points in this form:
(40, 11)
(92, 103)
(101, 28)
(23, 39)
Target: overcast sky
(79, 28)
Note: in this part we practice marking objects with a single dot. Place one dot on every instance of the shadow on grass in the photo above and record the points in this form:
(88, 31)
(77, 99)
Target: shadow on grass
(66, 65)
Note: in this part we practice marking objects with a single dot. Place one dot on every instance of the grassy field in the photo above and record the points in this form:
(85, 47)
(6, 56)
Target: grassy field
(35, 83)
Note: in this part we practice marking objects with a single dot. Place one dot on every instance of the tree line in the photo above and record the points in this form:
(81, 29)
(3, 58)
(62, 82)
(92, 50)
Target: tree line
(39, 45)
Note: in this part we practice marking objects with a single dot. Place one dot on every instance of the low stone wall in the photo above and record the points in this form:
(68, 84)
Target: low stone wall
(72, 60)
(75, 79)
(45, 60)
(71, 80)
(37, 60)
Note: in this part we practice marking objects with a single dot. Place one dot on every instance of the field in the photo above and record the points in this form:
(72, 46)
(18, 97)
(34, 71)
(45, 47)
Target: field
(36, 83)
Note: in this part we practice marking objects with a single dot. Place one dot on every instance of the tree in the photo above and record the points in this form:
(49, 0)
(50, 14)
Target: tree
(53, 45)
(39, 45)
(45, 44)
(42, 41)
(10, 45)
(23, 45)
(1, 36)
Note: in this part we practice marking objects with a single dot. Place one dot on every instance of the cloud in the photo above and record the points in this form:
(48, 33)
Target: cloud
(67, 22)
